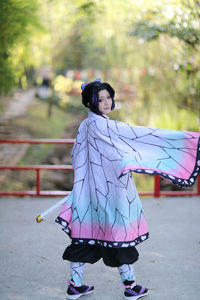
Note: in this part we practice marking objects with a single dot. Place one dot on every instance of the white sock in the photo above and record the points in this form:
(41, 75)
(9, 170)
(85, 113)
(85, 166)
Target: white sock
(126, 272)
(76, 272)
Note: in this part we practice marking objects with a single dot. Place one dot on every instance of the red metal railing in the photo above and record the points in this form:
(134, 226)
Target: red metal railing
(156, 193)
(37, 168)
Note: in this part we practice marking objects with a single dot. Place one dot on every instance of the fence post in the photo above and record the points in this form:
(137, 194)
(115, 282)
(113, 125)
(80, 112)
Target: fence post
(198, 185)
(156, 186)
(38, 182)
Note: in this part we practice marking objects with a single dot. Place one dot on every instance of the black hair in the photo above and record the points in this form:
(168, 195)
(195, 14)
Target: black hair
(90, 95)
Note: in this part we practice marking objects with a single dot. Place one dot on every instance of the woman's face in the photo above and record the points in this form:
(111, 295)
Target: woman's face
(105, 102)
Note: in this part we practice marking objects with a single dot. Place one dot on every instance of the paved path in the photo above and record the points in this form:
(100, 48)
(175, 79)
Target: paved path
(31, 265)
(17, 107)
(10, 154)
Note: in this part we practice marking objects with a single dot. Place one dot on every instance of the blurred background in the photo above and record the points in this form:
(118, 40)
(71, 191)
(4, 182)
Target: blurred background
(148, 50)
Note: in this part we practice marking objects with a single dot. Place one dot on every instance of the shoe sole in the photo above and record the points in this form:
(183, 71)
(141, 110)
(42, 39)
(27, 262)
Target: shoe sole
(73, 297)
(135, 297)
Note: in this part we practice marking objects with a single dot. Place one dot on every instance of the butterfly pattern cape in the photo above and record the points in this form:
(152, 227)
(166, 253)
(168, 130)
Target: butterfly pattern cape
(104, 207)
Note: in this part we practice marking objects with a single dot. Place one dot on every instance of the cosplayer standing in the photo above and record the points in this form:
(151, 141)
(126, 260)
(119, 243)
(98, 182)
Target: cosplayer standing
(103, 214)
(104, 217)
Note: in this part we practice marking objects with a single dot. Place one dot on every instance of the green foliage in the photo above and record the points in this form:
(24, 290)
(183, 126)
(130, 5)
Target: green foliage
(167, 25)
(6, 75)
(39, 126)
(17, 19)
(186, 29)
(87, 9)
(162, 50)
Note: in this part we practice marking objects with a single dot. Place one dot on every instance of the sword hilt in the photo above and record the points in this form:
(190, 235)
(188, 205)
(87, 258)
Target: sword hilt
(39, 219)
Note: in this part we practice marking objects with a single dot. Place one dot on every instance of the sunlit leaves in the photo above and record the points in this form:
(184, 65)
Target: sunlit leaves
(181, 21)
(156, 40)
(87, 9)
(17, 20)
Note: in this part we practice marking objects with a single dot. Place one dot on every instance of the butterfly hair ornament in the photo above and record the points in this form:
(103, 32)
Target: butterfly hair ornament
(85, 84)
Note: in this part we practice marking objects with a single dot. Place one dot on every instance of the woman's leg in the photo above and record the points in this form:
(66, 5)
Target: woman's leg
(75, 287)
(132, 290)
(76, 272)
(126, 272)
